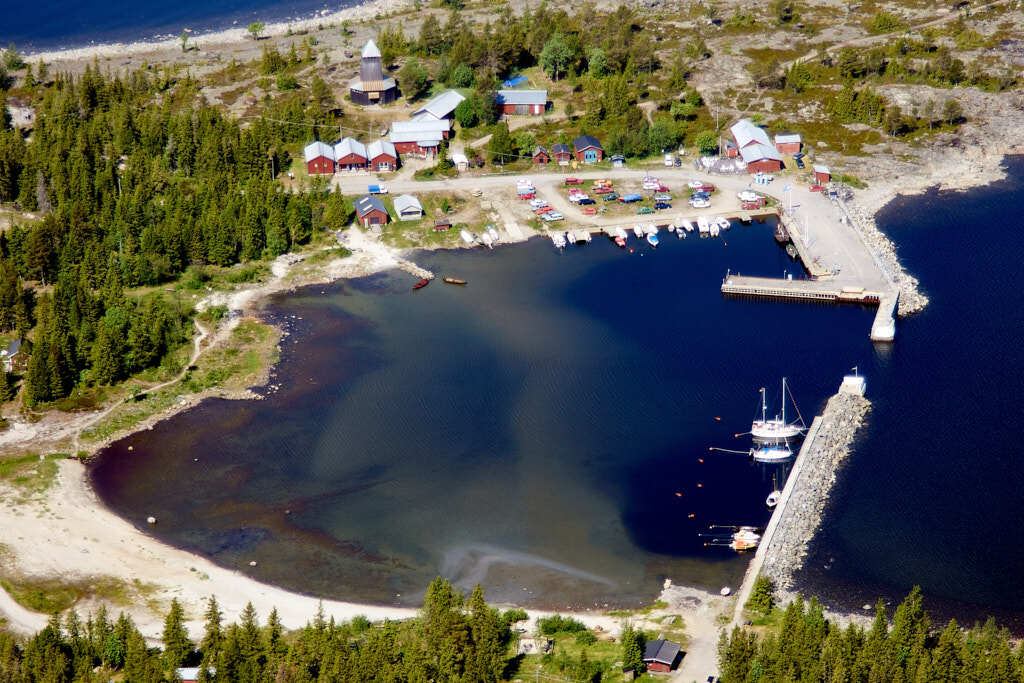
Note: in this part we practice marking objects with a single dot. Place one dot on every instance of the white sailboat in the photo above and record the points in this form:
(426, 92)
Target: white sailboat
(776, 429)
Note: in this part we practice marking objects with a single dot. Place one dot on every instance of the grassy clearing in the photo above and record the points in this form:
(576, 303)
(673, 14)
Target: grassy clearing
(31, 475)
(55, 595)
(566, 653)
(326, 255)
(238, 363)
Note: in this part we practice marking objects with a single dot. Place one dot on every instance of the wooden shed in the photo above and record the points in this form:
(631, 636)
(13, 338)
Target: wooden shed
(562, 154)
(822, 174)
(788, 143)
(540, 155)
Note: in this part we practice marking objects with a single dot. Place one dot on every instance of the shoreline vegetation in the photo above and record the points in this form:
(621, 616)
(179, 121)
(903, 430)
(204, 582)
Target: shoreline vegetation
(99, 553)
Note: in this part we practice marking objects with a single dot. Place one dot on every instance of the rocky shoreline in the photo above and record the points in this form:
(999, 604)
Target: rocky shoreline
(802, 516)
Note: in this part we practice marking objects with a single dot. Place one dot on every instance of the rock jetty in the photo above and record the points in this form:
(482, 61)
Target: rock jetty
(911, 299)
(827, 448)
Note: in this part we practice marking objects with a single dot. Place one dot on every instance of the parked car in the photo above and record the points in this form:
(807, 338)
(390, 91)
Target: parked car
(377, 189)
(573, 181)
(537, 203)
(706, 187)
(662, 205)
(799, 163)
(527, 195)
(817, 188)
(699, 203)
(700, 195)
(589, 211)
(662, 188)
(644, 210)
(611, 197)
(669, 160)
(663, 197)
(585, 201)
(694, 184)
(630, 198)
(602, 189)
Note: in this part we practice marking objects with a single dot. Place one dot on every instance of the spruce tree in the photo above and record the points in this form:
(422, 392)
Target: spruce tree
(177, 647)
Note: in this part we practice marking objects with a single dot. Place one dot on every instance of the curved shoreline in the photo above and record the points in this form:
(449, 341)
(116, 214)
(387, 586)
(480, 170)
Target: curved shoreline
(111, 545)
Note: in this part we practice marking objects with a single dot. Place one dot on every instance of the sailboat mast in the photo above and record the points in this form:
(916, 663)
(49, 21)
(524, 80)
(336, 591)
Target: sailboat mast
(783, 400)
(764, 406)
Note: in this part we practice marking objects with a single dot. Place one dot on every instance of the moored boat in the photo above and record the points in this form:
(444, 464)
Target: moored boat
(703, 225)
(746, 538)
(621, 232)
(776, 429)
(723, 223)
(638, 230)
(620, 241)
(558, 239)
(454, 281)
(771, 452)
(652, 239)
(773, 498)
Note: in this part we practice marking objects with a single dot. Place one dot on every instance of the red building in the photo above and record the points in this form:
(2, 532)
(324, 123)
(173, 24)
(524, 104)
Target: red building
(540, 155)
(661, 655)
(349, 154)
(319, 158)
(587, 149)
(822, 174)
(755, 148)
(523, 102)
(788, 143)
(371, 212)
(381, 156)
(561, 153)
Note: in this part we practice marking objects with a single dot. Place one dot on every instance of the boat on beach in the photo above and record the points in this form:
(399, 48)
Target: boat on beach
(488, 241)
(492, 232)
(466, 236)
(454, 281)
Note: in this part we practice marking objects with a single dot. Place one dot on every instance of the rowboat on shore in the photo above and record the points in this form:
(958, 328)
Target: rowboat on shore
(454, 281)
(421, 284)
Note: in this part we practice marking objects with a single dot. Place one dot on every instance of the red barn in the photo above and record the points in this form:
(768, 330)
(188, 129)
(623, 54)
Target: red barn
(756, 149)
(371, 211)
(381, 156)
(587, 149)
(822, 174)
(319, 158)
(661, 655)
(524, 102)
(540, 155)
(788, 143)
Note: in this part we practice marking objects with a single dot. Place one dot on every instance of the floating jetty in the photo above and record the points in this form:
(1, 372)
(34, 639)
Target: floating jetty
(798, 513)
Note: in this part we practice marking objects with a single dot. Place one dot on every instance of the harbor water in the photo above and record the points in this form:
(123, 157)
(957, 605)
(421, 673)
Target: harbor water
(544, 430)
(541, 430)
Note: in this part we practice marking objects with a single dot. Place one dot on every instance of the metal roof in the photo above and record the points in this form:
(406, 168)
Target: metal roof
(521, 97)
(442, 105)
(372, 86)
(317, 149)
(820, 168)
(371, 49)
(420, 129)
(459, 158)
(560, 149)
(368, 203)
(379, 147)
(404, 202)
(759, 152)
(785, 138)
(661, 651)
(347, 146)
(584, 141)
(746, 133)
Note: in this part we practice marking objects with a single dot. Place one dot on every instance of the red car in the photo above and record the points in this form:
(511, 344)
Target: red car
(573, 181)
(528, 195)
(603, 189)
(706, 187)
(817, 188)
(544, 209)
(589, 211)
(662, 188)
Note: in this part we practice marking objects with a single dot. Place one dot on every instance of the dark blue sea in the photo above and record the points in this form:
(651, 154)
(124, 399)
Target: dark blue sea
(66, 24)
(546, 429)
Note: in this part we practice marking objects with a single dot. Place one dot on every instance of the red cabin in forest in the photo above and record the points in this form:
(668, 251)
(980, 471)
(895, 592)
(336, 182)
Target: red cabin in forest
(319, 158)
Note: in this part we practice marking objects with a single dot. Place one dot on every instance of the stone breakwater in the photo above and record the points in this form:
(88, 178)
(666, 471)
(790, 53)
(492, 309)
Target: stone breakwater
(802, 515)
(911, 299)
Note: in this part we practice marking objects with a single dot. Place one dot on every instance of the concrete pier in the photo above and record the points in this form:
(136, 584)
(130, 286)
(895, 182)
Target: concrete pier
(798, 514)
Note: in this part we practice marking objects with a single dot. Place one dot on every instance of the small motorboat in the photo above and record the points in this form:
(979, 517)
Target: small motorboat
(467, 236)
(421, 284)
(621, 232)
(638, 230)
(620, 241)
(558, 239)
(723, 223)
(703, 225)
(773, 498)
(746, 538)
(492, 232)
(652, 239)
(776, 452)
(454, 281)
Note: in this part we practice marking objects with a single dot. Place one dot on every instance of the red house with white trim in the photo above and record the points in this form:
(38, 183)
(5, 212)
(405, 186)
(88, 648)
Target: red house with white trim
(319, 158)
(349, 155)
(371, 212)
(661, 655)
(381, 156)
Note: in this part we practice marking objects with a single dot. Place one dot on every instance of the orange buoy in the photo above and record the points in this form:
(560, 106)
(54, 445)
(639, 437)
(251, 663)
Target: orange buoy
(735, 436)
(692, 515)
(700, 459)
(700, 486)
(678, 495)
(718, 419)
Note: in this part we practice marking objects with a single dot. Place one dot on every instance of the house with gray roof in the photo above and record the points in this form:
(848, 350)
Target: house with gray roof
(527, 102)
(372, 87)
(441, 107)
(408, 208)
(319, 158)
(371, 212)
(349, 154)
